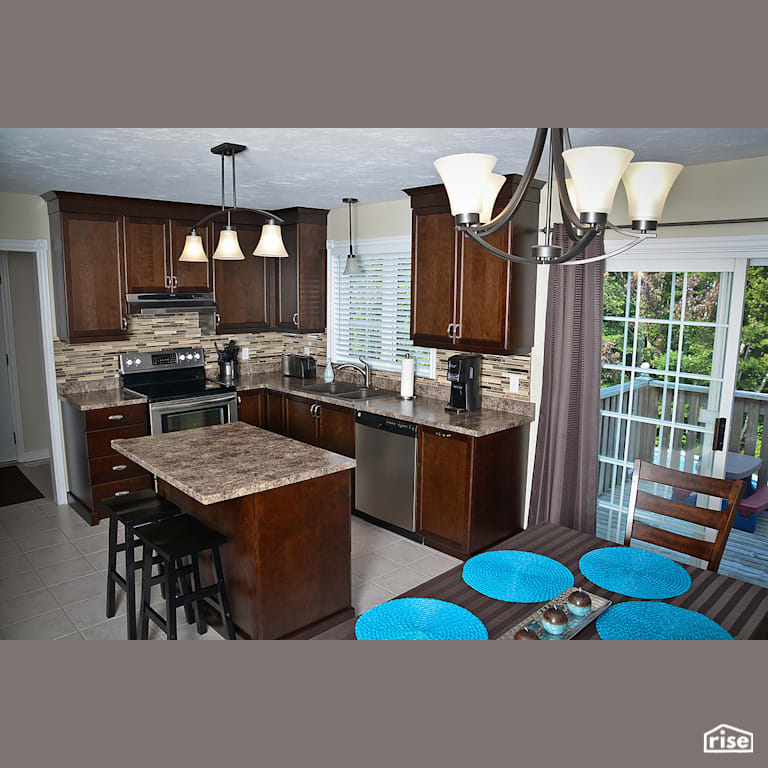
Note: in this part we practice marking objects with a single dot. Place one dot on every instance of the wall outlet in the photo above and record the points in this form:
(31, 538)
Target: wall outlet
(245, 353)
(514, 383)
(306, 350)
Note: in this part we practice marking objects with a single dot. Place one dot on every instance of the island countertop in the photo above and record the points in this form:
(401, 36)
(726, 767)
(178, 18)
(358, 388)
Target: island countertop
(227, 461)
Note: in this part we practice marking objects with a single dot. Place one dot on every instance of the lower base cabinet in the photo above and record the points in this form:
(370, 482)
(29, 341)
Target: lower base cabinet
(273, 412)
(326, 426)
(250, 407)
(470, 490)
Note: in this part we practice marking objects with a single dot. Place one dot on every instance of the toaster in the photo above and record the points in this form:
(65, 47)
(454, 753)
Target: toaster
(300, 366)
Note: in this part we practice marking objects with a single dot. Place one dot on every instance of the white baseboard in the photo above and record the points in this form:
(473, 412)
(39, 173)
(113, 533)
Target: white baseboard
(29, 456)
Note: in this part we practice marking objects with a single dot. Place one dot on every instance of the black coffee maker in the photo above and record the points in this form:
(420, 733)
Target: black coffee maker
(464, 375)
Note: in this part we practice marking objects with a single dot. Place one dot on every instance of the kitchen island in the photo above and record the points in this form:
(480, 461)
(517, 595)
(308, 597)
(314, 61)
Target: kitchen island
(285, 508)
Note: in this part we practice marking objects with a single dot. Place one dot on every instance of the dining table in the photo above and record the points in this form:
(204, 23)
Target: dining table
(737, 606)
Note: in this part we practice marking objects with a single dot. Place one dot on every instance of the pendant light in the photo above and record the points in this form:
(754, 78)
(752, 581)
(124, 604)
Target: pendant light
(352, 267)
(585, 199)
(228, 247)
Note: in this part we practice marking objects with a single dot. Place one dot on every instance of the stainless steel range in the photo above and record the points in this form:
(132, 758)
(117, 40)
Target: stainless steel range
(180, 396)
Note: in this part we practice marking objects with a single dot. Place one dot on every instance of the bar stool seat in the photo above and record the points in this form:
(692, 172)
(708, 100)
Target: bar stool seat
(132, 510)
(172, 540)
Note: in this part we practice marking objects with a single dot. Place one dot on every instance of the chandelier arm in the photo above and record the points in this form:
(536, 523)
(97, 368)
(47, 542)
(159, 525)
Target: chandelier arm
(578, 247)
(565, 201)
(235, 209)
(638, 239)
(512, 207)
(569, 229)
(469, 232)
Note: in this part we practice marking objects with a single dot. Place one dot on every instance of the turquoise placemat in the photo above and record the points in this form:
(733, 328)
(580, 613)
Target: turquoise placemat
(517, 577)
(419, 618)
(656, 621)
(635, 573)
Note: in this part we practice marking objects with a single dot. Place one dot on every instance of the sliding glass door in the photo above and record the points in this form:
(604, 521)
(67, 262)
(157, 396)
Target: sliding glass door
(670, 345)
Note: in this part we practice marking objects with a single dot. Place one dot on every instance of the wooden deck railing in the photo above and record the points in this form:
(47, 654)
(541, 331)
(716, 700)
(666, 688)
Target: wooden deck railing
(748, 428)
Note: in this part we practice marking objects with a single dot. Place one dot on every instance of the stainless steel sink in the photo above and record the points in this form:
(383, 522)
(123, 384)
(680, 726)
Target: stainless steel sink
(332, 388)
(365, 394)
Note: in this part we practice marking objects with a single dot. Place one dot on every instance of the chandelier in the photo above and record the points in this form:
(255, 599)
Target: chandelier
(585, 199)
(228, 249)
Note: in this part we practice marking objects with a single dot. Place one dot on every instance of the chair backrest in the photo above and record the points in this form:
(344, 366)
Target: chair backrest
(719, 520)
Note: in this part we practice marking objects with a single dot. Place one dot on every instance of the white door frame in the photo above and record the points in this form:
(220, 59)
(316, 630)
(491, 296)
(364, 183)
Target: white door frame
(58, 462)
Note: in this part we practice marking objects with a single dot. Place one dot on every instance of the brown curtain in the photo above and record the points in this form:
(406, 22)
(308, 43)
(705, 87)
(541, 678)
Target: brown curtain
(564, 489)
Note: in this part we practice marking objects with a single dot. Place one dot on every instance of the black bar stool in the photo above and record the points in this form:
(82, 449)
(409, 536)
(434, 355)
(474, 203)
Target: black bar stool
(132, 510)
(175, 539)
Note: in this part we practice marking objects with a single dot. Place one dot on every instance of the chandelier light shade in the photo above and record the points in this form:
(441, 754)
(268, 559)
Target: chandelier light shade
(228, 248)
(571, 187)
(648, 186)
(270, 243)
(492, 189)
(193, 248)
(466, 178)
(596, 173)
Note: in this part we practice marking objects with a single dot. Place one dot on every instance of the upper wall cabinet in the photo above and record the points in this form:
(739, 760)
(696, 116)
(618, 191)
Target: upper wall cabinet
(464, 298)
(108, 247)
(300, 279)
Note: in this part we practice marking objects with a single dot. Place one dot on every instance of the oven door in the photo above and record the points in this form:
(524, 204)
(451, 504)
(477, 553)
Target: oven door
(175, 415)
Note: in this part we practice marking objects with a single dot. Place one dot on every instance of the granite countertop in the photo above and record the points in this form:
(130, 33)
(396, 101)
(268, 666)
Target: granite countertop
(227, 461)
(101, 398)
(423, 410)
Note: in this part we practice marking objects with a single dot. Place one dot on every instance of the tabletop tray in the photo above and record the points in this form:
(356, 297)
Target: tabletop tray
(575, 623)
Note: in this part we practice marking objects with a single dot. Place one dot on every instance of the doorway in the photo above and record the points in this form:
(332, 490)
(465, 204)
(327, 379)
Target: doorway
(27, 333)
(670, 363)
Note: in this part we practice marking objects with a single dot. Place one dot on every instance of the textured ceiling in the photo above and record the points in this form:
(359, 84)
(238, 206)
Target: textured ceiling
(306, 166)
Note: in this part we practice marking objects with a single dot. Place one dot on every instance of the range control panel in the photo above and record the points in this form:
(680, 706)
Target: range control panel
(167, 359)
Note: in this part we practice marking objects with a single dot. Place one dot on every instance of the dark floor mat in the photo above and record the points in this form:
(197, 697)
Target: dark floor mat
(15, 487)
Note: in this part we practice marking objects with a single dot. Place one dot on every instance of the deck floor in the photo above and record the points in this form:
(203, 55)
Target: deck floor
(745, 556)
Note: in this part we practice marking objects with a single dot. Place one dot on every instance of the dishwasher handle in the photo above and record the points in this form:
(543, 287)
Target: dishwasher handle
(386, 424)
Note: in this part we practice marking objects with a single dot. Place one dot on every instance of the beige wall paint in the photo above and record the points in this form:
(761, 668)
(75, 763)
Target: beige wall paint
(392, 219)
(25, 311)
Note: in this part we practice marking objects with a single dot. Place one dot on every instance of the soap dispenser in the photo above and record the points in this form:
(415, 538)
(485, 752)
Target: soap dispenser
(328, 374)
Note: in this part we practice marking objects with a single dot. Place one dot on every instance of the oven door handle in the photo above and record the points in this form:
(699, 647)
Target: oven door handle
(198, 402)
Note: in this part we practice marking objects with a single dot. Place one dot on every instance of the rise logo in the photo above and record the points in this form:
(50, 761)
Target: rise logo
(727, 739)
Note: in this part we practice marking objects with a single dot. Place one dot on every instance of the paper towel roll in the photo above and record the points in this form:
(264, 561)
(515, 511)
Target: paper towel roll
(406, 377)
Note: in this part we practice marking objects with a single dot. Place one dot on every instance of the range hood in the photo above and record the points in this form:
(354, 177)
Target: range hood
(171, 303)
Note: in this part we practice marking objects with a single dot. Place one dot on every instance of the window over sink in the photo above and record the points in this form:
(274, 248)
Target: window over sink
(369, 315)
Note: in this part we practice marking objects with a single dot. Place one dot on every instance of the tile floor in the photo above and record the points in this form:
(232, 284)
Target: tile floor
(52, 572)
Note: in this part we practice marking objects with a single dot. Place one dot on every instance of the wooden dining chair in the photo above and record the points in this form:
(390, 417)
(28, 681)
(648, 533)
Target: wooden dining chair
(721, 521)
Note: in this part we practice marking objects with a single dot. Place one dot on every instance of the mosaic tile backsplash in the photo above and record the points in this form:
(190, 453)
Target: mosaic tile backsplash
(95, 366)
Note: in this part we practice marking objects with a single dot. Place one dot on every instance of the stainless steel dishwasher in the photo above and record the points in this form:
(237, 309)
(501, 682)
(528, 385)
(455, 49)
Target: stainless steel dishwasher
(385, 477)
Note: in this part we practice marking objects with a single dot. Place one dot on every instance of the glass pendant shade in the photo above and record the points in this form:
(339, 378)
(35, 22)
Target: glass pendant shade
(596, 172)
(466, 178)
(352, 267)
(193, 248)
(228, 248)
(648, 185)
(571, 189)
(492, 189)
(270, 243)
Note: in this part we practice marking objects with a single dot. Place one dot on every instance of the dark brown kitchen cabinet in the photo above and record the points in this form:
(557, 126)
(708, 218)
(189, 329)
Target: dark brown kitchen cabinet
(470, 489)
(250, 407)
(463, 297)
(273, 412)
(336, 429)
(88, 261)
(300, 279)
(300, 422)
(147, 255)
(242, 288)
(326, 426)
(190, 276)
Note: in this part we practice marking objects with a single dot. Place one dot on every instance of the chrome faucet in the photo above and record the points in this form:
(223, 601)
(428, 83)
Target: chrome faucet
(364, 369)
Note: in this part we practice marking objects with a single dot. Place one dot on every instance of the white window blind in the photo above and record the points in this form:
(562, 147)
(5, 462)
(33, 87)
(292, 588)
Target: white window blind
(370, 313)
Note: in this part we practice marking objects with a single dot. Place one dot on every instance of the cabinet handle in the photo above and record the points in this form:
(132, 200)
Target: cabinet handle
(448, 330)
(122, 493)
(443, 434)
(457, 331)
(296, 319)
(218, 318)
(174, 282)
(124, 323)
(239, 400)
(119, 467)
(116, 417)
(167, 281)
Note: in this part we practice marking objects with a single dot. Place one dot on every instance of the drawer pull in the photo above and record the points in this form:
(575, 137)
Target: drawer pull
(116, 417)
(119, 467)
(122, 493)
